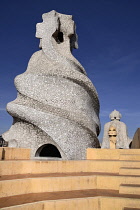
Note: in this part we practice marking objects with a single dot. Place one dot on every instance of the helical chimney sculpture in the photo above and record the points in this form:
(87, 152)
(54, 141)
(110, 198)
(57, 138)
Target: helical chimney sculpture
(56, 112)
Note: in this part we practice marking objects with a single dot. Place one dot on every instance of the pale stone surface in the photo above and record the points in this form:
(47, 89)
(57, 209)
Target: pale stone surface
(112, 133)
(136, 140)
(7, 153)
(56, 104)
(122, 139)
(115, 154)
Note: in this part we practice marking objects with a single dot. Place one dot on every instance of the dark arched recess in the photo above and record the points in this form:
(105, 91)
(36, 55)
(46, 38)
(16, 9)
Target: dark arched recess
(48, 150)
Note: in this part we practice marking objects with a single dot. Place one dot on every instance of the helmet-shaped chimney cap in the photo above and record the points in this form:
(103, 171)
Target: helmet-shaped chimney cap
(115, 115)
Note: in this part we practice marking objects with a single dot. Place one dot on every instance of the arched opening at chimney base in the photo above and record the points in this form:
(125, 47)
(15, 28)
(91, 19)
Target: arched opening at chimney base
(48, 150)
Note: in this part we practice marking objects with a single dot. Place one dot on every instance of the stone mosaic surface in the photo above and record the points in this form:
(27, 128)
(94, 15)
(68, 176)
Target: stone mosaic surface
(122, 139)
(56, 102)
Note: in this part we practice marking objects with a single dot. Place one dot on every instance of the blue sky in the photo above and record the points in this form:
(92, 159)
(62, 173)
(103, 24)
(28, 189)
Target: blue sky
(109, 49)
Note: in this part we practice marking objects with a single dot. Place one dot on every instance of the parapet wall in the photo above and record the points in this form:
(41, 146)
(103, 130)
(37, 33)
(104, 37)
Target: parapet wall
(110, 154)
(9, 153)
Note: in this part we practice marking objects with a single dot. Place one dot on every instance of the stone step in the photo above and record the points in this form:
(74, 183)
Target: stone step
(129, 171)
(36, 167)
(24, 176)
(133, 157)
(35, 197)
(129, 189)
(52, 184)
(82, 203)
(65, 183)
(130, 164)
(111, 203)
(129, 151)
(114, 182)
(127, 208)
(46, 184)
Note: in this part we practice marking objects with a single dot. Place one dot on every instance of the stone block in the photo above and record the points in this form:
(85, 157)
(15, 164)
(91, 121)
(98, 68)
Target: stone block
(8, 153)
(129, 189)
